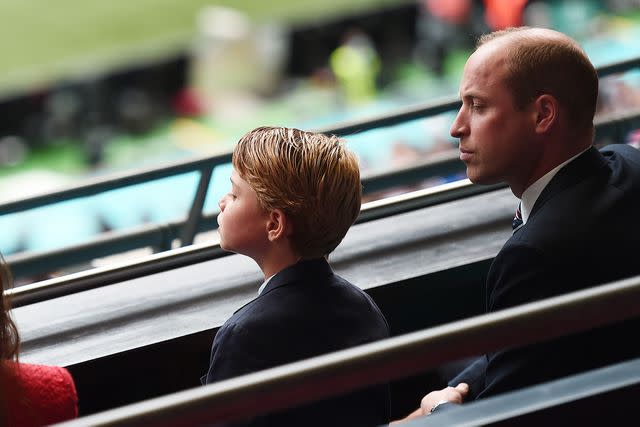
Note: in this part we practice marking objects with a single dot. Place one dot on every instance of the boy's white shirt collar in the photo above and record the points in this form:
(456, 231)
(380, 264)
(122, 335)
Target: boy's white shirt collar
(264, 284)
(532, 193)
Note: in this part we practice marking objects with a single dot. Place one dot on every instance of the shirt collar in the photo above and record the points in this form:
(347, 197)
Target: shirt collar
(532, 193)
(264, 284)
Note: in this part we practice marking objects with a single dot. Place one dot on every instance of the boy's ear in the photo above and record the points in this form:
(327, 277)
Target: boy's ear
(278, 225)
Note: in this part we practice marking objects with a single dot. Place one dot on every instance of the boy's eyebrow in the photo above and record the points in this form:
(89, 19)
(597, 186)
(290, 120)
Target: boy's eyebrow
(234, 185)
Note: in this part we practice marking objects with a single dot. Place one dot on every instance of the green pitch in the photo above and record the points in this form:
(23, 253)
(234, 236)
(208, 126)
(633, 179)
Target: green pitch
(43, 40)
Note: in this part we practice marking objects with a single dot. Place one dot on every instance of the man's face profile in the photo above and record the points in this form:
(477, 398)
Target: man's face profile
(494, 135)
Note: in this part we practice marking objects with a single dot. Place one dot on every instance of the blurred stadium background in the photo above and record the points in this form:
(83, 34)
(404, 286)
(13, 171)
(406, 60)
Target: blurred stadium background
(90, 88)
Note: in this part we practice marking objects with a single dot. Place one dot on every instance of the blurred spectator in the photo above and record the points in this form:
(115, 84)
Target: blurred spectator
(188, 103)
(633, 138)
(355, 64)
(501, 14)
(443, 25)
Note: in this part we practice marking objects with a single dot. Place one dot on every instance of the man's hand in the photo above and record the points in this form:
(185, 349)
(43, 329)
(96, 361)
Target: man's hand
(450, 394)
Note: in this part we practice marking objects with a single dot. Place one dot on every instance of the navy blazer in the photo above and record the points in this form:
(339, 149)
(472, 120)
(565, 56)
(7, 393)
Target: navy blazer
(584, 230)
(304, 311)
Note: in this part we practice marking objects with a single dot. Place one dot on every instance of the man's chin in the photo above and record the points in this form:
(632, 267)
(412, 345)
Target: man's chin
(482, 179)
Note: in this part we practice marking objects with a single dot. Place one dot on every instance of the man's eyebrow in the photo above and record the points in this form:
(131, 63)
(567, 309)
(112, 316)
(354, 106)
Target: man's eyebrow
(472, 95)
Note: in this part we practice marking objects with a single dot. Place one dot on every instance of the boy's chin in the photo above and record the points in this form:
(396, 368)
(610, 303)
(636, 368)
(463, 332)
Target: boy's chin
(228, 248)
(223, 244)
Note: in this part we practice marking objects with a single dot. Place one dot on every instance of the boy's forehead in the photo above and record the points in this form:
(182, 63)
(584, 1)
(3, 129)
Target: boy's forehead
(237, 181)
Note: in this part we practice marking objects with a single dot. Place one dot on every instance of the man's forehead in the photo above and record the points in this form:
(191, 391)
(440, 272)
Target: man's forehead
(483, 70)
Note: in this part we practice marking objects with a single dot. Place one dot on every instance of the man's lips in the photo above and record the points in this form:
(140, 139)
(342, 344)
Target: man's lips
(465, 155)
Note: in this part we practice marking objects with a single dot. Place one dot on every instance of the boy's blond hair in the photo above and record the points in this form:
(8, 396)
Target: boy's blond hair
(313, 178)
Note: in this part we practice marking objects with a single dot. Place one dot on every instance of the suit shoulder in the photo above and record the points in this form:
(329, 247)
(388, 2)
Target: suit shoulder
(624, 150)
(623, 158)
(312, 303)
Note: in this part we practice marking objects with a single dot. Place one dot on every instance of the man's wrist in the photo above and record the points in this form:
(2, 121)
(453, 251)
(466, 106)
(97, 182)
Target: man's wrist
(438, 403)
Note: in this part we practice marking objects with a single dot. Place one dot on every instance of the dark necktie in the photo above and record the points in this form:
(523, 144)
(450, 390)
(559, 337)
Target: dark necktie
(517, 220)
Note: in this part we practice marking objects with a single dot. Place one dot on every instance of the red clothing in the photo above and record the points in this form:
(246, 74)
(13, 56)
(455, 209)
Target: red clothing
(501, 14)
(38, 395)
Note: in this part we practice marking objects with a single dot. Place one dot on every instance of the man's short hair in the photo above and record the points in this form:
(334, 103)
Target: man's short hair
(545, 61)
(313, 178)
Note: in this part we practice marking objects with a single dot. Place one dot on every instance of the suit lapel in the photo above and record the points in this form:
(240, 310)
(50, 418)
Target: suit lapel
(577, 170)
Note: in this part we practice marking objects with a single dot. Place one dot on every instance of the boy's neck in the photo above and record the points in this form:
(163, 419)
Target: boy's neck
(276, 260)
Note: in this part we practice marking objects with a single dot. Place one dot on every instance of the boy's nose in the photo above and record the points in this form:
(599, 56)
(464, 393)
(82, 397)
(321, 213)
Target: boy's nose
(221, 204)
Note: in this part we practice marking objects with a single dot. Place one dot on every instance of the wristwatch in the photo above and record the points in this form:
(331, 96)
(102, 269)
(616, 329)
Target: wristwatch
(438, 403)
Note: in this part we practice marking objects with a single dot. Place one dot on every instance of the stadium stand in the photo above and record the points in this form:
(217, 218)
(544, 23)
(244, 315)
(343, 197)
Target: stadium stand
(117, 339)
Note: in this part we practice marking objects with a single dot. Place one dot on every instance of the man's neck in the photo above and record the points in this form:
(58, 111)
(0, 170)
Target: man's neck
(558, 154)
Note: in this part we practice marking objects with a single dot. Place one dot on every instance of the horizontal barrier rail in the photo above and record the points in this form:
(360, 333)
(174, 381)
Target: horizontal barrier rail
(379, 362)
(168, 260)
(113, 182)
(619, 378)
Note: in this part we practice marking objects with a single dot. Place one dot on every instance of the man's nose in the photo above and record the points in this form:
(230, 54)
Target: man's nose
(458, 127)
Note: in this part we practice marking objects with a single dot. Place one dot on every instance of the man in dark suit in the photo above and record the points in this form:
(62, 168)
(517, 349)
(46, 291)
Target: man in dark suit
(528, 102)
(293, 197)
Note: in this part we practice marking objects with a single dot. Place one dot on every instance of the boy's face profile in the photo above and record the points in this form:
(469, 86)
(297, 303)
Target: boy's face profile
(242, 222)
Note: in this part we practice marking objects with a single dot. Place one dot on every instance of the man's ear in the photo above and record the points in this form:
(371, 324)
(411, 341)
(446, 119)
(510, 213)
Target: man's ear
(278, 225)
(547, 113)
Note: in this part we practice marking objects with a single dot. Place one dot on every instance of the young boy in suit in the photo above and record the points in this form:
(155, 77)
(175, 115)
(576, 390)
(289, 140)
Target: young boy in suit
(294, 195)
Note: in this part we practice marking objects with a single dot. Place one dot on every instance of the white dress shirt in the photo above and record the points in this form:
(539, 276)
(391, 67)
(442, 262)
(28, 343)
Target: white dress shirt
(264, 285)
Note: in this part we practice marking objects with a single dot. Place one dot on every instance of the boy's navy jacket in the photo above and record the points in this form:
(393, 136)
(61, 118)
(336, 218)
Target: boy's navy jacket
(304, 311)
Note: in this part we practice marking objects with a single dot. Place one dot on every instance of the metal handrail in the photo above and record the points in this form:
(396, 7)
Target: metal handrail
(550, 401)
(114, 181)
(168, 260)
(379, 362)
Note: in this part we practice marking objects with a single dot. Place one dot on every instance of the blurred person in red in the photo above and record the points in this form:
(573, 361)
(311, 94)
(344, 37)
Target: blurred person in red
(501, 14)
(442, 25)
(31, 395)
